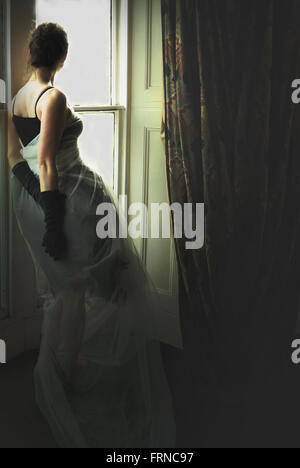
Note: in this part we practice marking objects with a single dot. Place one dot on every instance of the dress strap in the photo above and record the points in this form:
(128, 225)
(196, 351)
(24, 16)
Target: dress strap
(46, 89)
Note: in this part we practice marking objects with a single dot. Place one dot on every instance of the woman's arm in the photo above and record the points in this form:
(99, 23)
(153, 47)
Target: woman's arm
(53, 119)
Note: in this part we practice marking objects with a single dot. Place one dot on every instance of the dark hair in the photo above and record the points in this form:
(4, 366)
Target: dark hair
(48, 45)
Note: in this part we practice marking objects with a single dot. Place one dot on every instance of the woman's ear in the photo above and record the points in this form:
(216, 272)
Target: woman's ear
(62, 62)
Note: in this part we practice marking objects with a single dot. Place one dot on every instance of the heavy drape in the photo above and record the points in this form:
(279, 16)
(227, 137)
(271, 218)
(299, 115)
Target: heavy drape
(232, 136)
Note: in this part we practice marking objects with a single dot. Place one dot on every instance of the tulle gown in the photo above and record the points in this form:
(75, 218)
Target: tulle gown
(99, 379)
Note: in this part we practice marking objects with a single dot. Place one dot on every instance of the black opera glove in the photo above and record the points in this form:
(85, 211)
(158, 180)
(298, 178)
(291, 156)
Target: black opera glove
(28, 179)
(54, 241)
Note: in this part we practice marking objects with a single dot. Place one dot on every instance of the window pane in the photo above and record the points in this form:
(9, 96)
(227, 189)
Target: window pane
(96, 144)
(85, 78)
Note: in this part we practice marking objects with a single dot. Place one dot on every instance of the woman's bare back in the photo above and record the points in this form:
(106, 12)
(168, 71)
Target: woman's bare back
(26, 98)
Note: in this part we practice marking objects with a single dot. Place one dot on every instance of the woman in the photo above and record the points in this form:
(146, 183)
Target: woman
(99, 378)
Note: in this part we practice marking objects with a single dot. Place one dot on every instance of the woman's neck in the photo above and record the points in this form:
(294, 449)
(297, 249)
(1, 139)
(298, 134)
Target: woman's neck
(43, 76)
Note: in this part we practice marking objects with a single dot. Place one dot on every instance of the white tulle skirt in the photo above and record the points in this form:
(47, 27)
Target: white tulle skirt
(100, 380)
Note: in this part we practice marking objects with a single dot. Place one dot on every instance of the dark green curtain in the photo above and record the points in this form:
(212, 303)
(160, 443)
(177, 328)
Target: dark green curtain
(233, 142)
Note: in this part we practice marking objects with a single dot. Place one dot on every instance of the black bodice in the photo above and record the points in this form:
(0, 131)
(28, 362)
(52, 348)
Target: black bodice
(28, 128)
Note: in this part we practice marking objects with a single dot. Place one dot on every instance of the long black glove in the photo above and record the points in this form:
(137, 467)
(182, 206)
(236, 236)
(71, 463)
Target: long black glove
(54, 242)
(28, 179)
(52, 203)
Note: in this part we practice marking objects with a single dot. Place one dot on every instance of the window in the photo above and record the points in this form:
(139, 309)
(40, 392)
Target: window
(92, 77)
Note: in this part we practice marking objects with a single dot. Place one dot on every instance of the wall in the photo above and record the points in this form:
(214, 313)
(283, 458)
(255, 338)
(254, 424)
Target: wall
(21, 330)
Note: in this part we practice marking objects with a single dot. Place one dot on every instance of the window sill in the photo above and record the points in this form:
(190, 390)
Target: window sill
(98, 108)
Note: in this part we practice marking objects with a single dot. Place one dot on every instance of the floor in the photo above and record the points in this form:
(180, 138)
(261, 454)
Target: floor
(21, 423)
(272, 422)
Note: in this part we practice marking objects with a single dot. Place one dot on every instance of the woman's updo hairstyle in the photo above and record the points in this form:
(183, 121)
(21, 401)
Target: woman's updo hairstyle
(48, 45)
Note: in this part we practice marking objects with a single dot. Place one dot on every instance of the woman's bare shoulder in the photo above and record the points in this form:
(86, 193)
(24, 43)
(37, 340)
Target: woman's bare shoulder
(53, 100)
(54, 97)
